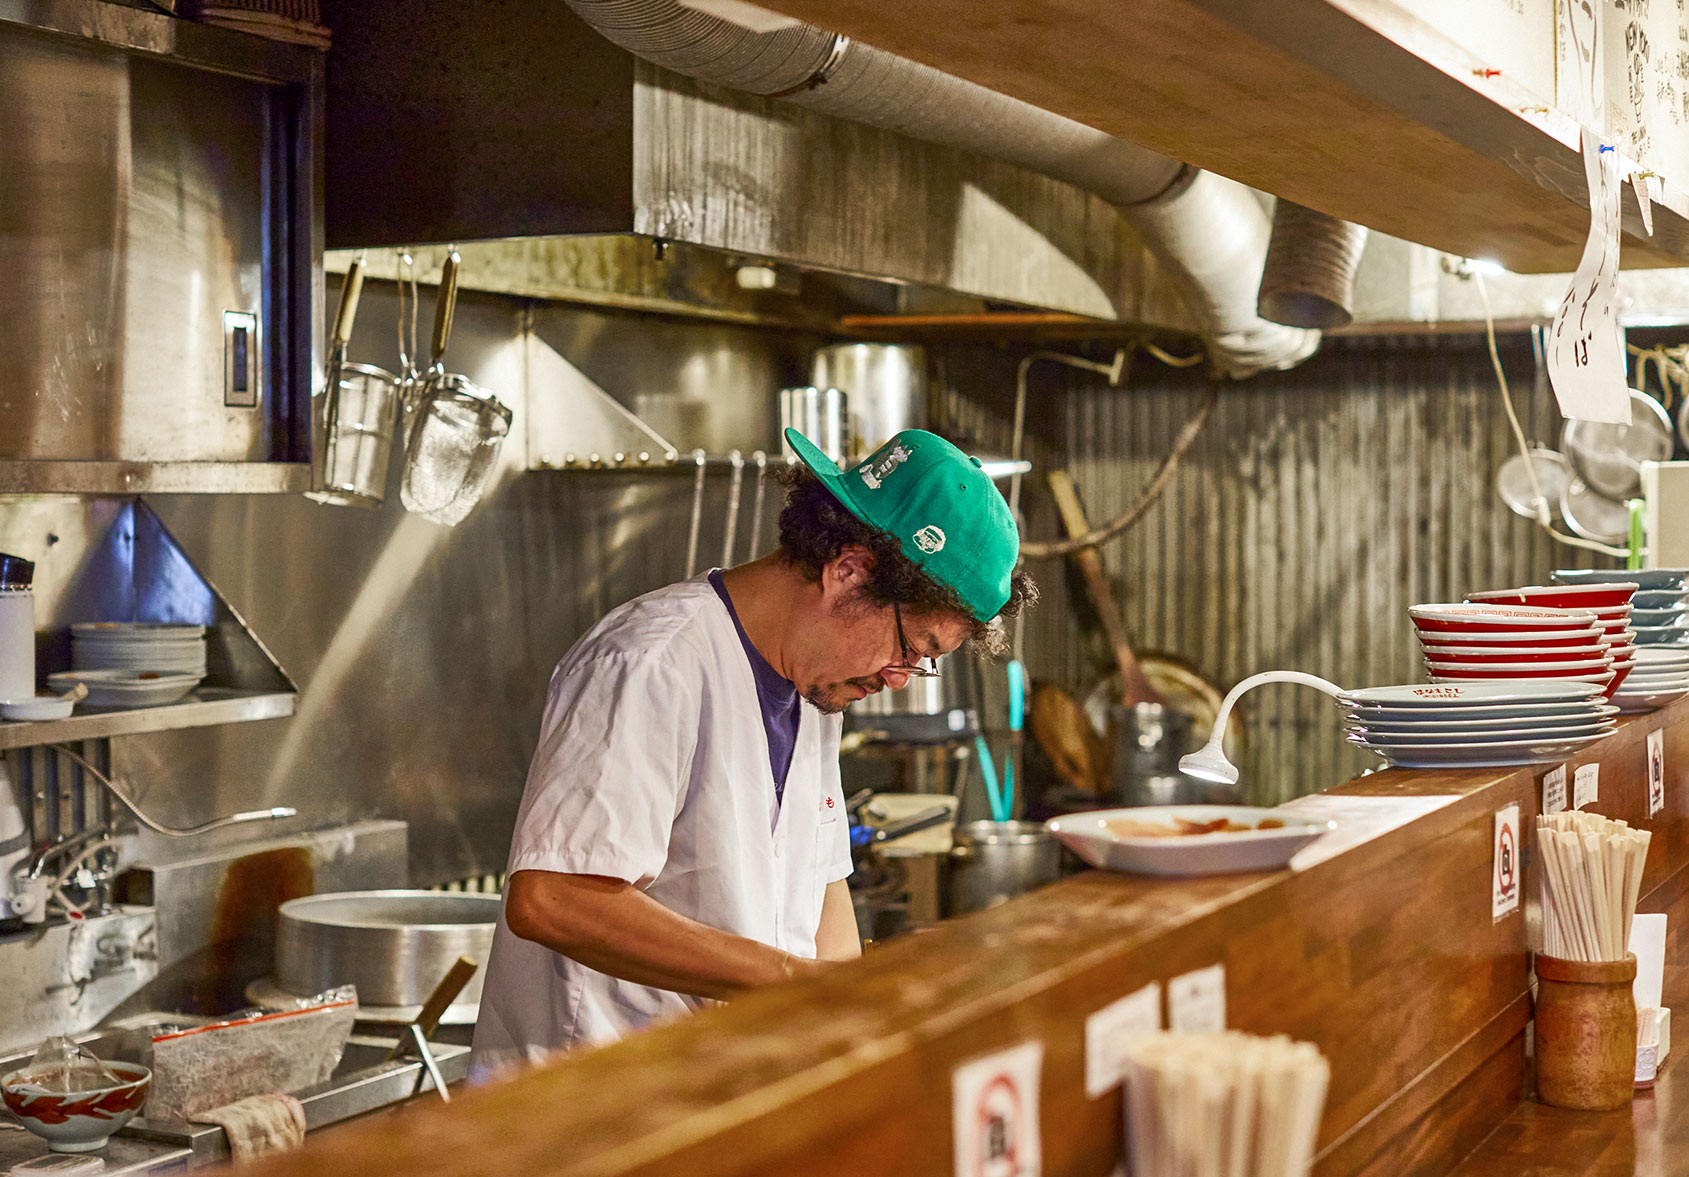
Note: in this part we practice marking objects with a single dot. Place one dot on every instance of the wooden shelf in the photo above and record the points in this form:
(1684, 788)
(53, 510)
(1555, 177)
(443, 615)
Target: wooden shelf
(1354, 107)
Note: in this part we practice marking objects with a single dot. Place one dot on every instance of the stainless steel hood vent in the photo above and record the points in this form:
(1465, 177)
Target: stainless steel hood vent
(159, 233)
(515, 119)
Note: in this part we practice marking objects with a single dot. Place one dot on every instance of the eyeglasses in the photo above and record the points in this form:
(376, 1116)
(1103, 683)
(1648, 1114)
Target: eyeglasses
(912, 664)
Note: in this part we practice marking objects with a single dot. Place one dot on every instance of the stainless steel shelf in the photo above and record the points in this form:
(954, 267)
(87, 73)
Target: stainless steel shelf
(126, 478)
(204, 708)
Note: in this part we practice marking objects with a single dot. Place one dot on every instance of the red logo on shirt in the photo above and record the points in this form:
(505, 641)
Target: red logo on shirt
(829, 803)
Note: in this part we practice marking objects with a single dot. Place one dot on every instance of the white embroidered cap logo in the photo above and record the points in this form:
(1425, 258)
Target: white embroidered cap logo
(929, 539)
(874, 473)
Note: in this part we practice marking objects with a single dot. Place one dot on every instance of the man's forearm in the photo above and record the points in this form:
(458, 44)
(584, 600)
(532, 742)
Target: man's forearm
(616, 929)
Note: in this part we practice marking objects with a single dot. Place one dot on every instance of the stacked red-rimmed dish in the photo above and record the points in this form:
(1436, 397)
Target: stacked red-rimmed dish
(1660, 616)
(1608, 603)
(1486, 642)
(1478, 724)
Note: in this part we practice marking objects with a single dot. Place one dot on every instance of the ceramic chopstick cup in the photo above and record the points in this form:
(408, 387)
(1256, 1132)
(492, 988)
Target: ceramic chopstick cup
(1585, 1032)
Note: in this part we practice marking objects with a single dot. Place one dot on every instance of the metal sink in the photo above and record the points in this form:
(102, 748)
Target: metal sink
(361, 1083)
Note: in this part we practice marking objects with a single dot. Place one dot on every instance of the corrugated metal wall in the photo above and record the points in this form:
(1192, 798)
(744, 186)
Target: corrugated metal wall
(1315, 507)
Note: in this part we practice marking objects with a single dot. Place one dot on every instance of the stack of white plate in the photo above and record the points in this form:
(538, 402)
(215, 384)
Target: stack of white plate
(1478, 725)
(138, 645)
(1661, 676)
(123, 689)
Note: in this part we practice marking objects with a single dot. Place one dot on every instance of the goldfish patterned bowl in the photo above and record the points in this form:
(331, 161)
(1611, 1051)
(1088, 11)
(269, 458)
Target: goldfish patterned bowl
(77, 1121)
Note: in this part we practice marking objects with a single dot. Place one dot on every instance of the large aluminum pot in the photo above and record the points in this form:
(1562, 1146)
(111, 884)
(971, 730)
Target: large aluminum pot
(993, 861)
(393, 945)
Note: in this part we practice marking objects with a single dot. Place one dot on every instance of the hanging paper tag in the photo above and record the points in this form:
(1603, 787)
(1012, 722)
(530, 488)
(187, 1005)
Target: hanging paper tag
(1110, 1032)
(1196, 1001)
(1586, 364)
(1644, 202)
(1586, 785)
(1554, 791)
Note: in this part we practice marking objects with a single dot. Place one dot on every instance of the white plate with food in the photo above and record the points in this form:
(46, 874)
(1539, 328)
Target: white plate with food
(126, 688)
(1186, 839)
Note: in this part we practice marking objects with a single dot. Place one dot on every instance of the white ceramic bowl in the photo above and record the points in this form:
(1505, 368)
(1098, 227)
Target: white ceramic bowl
(79, 1122)
(126, 688)
(38, 708)
(1650, 579)
(1090, 837)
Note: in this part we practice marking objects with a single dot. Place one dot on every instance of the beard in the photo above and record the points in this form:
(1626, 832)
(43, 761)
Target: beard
(827, 699)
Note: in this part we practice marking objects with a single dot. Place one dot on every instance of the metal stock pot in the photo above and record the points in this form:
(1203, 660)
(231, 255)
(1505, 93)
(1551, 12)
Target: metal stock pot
(993, 861)
(393, 945)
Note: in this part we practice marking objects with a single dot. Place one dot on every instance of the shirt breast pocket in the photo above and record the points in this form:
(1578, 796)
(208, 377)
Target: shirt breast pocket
(826, 833)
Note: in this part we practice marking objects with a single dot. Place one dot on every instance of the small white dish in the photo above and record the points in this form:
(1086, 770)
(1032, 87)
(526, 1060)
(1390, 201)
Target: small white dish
(1648, 579)
(1090, 836)
(1634, 702)
(39, 708)
(126, 688)
(1444, 722)
(1486, 754)
(1661, 599)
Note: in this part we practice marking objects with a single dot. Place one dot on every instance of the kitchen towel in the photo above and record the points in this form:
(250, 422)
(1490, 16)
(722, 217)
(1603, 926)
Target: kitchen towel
(259, 1125)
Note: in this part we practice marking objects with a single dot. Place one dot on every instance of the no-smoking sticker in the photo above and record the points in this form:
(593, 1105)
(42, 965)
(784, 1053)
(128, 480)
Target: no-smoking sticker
(994, 1106)
(1504, 871)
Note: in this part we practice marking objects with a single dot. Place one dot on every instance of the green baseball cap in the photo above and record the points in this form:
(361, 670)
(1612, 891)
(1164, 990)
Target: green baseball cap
(943, 509)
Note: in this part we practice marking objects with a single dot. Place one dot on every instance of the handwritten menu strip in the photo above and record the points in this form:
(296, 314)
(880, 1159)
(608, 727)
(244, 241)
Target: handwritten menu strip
(1579, 84)
(1586, 364)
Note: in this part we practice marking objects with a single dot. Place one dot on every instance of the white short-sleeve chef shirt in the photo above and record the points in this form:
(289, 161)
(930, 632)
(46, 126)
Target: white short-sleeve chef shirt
(653, 768)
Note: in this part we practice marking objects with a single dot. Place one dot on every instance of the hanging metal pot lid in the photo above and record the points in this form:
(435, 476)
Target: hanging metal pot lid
(1513, 480)
(1594, 516)
(1608, 458)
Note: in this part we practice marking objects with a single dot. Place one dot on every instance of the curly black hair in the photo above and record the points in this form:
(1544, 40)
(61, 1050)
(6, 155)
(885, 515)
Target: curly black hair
(815, 527)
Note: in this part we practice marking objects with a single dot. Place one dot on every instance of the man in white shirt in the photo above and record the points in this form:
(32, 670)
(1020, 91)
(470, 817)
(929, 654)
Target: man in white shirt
(682, 835)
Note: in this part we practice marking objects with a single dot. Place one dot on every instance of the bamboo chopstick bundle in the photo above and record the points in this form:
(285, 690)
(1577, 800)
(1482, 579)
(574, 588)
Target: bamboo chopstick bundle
(1223, 1105)
(1591, 878)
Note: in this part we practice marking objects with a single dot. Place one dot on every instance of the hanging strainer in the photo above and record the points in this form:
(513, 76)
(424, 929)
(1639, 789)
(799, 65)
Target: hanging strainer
(456, 431)
(1608, 458)
(1513, 480)
(1594, 516)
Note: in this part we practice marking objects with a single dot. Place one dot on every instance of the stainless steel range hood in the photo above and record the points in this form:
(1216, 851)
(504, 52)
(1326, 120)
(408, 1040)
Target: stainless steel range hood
(160, 236)
(515, 119)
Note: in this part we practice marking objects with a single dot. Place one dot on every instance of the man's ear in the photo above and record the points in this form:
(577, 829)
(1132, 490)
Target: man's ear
(851, 569)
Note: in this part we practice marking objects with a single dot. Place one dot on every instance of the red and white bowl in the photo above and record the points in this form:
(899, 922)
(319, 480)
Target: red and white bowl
(1590, 665)
(1487, 618)
(1505, 637)
(1561, 596)
(79, 1121)
(1594, 649)
(1601, 679)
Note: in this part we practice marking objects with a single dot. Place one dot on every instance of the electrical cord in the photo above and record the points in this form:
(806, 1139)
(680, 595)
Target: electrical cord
(1539, 500)
(173, 831)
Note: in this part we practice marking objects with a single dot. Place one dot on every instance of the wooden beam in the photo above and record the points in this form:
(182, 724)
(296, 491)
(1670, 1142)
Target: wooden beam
(1353, 107)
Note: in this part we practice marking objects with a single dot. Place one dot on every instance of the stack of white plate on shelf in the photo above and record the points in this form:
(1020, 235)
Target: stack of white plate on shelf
(1477, 725)
(137, 645)
(1661, 676)
(1660, 615)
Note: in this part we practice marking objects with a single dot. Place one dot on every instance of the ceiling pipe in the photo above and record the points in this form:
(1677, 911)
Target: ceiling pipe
(1209, 233)
(1309, 278)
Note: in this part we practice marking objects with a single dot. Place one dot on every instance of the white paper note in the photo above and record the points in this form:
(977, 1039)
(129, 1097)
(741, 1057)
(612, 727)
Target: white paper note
(1586, 364)
(1648, 942)
(1504, 871)
(1656, 772)
(1581, 82)
(1554, 791)
(1359, 819)
(1586, 785)
(1111, 1030)
(994, 1109)
(1644, 202)
(1196, 1001)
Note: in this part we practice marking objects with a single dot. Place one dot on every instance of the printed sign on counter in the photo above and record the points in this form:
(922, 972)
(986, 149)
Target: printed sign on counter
(1504, 873)
(1586, 785)
(1111, 1030)
(1196, 1001)
(1554, 791)
(994, 1105)
(1656, 772)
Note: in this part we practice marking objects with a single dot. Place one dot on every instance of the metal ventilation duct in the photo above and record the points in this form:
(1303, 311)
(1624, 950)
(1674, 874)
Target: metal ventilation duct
(1210, 233)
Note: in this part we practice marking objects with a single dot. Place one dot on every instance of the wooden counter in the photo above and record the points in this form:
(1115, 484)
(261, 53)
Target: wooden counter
(1385, 955)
